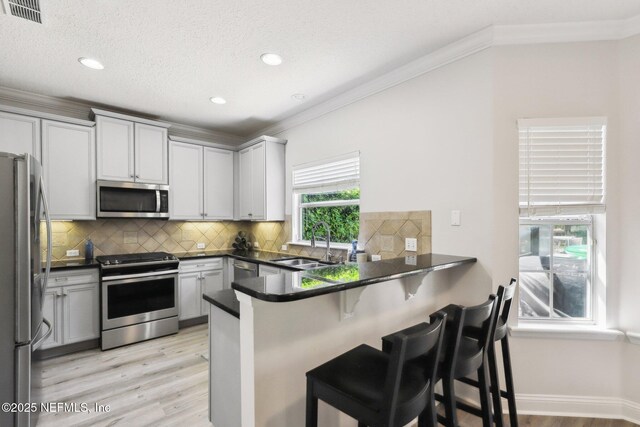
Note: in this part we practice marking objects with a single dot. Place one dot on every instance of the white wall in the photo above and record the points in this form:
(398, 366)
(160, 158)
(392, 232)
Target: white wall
(424, 145)
(629, 212)
(447, 140)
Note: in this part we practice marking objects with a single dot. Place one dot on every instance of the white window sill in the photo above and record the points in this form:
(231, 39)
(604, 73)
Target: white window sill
(341, 246)
(578, 332)
(634, 337)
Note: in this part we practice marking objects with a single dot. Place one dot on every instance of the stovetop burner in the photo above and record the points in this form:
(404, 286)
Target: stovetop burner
(135, 258)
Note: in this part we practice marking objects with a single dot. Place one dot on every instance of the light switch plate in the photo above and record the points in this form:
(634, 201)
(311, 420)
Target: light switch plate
(411, 244)
(200, 245)
(455, 218)
(73, 252)
(376, 257)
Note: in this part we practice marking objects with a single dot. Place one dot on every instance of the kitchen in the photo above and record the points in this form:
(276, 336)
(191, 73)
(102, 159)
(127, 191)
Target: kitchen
(434, 130)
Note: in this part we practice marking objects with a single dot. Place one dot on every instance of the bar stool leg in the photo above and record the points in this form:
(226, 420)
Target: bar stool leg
(495, 386)
(485, 401)
(429, 417)
(508, 376)
(449, 395)
(312, 406)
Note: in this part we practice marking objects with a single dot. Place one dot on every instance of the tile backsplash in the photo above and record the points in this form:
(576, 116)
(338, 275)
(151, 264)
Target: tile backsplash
(383, 233)
(380, 232)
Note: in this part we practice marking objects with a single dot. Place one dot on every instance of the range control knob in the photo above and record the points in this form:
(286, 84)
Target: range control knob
(115, 261)
(107, 262)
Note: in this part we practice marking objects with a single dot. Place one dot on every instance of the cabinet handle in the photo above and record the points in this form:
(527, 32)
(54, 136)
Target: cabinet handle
(201, 265)
(250, 214)
(58, 293)
(131, 176)
(137, 176)
(62, 279)
(65, 293)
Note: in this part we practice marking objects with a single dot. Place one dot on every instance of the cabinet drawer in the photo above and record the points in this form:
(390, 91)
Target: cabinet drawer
(201, 265)
(67, 277)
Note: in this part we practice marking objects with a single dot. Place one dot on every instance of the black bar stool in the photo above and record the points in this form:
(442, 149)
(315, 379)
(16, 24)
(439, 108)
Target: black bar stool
(378, 388)
(468, 332)
(505, 298)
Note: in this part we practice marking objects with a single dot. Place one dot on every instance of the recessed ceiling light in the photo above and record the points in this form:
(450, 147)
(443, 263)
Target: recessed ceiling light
(271, 58)
(218, 100)
(91, 63)
(299, 96)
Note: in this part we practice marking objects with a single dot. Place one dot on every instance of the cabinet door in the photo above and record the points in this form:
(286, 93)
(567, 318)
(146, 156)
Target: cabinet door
(19, 134)
(244, 188)
(258, 182)
(218, 184)
(81, 313)
(189, 295)
(151, 154)
(115, 149)
(68, 159)
(185, 198)
(211, 281)
(51, 310)
(266, 270)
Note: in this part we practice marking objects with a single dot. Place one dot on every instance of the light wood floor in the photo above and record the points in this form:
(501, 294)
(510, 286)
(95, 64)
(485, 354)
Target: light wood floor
(164, 382)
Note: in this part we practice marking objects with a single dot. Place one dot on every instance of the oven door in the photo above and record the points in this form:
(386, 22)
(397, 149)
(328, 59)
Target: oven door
(131, 299)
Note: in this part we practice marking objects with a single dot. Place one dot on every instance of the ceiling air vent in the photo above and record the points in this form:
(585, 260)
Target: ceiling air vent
(26, 9)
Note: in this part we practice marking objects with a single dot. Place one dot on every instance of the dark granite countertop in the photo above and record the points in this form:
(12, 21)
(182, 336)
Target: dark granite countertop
(260, 257)
(73, 263)
(292, 286)
(225, 300)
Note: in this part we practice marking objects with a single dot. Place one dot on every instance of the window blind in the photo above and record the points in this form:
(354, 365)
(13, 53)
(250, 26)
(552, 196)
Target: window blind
(329, 174)
(562, 166)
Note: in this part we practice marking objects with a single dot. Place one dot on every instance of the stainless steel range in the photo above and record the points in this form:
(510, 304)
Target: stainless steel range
(139, 297)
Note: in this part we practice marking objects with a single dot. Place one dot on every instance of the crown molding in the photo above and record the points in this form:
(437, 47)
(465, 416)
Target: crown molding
(496, 35)
(44, 105)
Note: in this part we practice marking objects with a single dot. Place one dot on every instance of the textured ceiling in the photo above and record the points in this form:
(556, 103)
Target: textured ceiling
(166, 58)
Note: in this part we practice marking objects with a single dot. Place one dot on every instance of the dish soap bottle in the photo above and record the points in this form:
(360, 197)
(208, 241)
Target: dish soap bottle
(88, 250)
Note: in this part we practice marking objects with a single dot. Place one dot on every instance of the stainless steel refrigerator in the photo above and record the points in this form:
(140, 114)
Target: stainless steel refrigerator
(22, 284)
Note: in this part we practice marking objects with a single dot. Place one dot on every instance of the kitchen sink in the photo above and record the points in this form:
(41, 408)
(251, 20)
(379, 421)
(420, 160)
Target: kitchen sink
(300, 263)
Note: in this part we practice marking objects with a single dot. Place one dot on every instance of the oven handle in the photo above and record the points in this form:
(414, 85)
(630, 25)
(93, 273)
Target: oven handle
(157, 274)
(157, 201)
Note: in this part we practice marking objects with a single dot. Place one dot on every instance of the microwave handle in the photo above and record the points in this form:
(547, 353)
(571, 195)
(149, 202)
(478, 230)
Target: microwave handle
(157, 200)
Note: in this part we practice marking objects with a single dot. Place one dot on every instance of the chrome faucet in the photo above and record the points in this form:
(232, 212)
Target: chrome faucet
(328, 255)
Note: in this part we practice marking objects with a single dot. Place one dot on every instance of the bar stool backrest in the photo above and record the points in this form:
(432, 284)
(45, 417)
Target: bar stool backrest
(421, 346)
(505, 298)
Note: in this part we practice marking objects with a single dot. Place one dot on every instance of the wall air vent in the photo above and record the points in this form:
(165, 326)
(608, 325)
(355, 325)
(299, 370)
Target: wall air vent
(26, 9)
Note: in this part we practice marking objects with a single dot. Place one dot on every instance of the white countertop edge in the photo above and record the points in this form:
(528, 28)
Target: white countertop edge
(577, 332)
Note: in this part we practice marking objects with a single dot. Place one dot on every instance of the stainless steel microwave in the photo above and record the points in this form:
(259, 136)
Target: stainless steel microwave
(132, 200)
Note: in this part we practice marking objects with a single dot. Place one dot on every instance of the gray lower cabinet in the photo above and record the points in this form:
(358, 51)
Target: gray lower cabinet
(197, 277)
(71, 305)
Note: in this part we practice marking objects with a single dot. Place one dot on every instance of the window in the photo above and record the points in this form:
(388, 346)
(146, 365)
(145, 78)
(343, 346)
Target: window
(327, 191)
(562, 194)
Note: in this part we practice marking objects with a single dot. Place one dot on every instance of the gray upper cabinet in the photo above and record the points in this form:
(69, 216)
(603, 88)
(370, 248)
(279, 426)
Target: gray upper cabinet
(68, 160)
(131, 149)
(201, 184)
(19, 134)
(261, 180)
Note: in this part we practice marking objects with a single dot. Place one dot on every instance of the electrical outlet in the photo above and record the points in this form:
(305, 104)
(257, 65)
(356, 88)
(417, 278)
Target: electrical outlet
(200, 245)
(411, 260)
(284, 248)
(411, 244)
(376, 257)
(73, 252)
(455, 218)
(256, 245)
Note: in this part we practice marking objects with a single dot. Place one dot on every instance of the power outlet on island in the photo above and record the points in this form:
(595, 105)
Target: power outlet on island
(200, 245)
(411, 244)
(73, 252)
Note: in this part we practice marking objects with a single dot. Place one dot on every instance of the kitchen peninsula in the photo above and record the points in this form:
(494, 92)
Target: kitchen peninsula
(275, 328)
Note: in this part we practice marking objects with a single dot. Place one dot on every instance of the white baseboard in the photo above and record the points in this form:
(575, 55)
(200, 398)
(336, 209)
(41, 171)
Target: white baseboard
(578, 406)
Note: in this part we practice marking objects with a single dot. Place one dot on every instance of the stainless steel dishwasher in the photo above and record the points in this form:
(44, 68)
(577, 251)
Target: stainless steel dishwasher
(244, 270)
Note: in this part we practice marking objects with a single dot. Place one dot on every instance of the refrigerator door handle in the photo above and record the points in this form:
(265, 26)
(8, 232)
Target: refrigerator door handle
(47, 218)
(42, 339)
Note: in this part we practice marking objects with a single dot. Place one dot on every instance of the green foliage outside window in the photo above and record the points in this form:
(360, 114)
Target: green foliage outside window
(344, 221)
